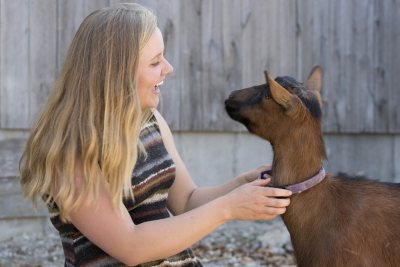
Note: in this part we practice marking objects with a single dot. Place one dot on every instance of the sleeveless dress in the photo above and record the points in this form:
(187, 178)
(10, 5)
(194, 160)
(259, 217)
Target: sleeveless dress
(151, 179)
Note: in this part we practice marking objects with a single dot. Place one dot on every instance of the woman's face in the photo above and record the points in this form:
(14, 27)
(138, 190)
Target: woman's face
(152, 70)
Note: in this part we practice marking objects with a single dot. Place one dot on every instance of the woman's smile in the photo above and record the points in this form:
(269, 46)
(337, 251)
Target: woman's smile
(156, 89)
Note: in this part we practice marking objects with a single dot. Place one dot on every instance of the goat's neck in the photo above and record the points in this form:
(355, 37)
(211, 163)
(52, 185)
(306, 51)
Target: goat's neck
(297, 157)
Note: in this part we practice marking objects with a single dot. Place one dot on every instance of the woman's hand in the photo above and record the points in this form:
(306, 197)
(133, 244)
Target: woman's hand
(255, 201)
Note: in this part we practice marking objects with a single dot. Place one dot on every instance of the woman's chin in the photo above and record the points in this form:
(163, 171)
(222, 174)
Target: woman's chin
(151, 104)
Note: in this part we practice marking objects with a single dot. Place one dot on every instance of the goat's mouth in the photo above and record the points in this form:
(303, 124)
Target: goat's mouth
(233, 108)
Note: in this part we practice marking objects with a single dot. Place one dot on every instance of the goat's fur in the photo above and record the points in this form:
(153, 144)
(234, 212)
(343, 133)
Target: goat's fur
(343, 221)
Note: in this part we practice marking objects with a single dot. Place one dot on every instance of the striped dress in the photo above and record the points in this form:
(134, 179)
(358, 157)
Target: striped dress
(152, 177)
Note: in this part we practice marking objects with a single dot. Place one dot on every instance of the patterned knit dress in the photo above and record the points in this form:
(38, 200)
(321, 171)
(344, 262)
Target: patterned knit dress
(152, 177)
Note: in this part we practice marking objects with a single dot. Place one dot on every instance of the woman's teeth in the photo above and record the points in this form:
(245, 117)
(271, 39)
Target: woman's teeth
(157, 87)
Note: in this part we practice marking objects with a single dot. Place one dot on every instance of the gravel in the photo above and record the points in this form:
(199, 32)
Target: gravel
(245, 244)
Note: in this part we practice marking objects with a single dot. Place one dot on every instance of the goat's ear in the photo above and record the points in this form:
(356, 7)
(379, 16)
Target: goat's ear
(290, 102)
(314, 82)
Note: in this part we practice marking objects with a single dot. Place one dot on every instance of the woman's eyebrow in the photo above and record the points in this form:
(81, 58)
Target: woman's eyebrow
(159, 54)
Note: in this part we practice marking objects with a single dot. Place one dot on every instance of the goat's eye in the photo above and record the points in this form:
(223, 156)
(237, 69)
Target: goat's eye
(267, 94)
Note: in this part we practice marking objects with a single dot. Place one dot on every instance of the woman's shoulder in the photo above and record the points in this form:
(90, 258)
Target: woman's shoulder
(159, 119)
(156, 115)
(165, 131)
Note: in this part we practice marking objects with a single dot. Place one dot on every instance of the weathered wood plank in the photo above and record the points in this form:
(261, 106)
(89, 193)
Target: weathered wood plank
(311, 39)
(190, 76)
(1, 65)
(388, 65)
(394, 96)
(212, 61)
(351, 51)
(268, 39)
(221, 57)
(361, 82)
(14, 64)
(339, 62)
(219, 46)
(43, 54)
(396, 158)
(335, 91)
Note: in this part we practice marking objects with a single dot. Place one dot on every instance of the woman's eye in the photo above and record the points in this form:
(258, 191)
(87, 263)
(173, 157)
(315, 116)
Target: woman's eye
(155, 64)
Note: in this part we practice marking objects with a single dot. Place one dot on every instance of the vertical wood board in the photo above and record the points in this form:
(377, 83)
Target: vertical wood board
(43, 54)
(14, 61)
(219, 46)
(190, 76)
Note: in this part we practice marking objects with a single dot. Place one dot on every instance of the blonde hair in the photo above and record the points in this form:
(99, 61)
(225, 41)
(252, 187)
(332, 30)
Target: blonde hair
(93, 116)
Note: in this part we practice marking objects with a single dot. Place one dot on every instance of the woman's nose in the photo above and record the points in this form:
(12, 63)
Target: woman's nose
(168, 67)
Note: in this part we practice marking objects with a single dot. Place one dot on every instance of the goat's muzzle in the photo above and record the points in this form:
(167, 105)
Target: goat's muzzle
(233, 109)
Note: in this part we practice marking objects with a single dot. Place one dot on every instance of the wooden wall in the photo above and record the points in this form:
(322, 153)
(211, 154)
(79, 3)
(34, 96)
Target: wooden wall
(217, 46)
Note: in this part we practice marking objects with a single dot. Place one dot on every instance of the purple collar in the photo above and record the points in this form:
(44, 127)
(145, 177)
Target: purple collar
(300, 187)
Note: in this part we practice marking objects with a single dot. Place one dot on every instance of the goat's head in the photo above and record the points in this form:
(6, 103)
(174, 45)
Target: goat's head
(276, 108)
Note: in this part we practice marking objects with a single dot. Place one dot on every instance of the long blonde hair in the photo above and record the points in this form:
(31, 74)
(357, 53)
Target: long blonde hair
(93, 116)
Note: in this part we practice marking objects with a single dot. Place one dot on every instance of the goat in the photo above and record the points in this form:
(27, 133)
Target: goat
(340, 221)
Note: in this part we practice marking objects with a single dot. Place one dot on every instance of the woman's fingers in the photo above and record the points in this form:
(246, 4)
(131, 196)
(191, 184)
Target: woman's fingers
(277, 202)
(274, 211)
(256, 201)
(276, 192)
(270, 191)
(268, 213)
(261, 182)
(264, 172)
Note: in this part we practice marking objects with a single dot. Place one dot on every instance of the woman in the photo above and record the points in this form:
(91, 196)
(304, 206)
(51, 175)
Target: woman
(104, 160)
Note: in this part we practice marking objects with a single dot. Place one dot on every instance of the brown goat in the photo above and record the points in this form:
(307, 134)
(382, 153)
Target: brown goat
(341, 221)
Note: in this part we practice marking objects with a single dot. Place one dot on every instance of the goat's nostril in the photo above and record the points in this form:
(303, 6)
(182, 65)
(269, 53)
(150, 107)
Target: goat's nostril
(230, 105)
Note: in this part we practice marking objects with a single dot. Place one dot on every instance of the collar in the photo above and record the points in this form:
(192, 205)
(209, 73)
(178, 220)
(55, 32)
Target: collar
(300, 187)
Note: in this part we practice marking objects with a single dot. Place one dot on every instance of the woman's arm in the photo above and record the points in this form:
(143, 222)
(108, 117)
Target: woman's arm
(202, 195)
(116, 234)
(185, 195)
